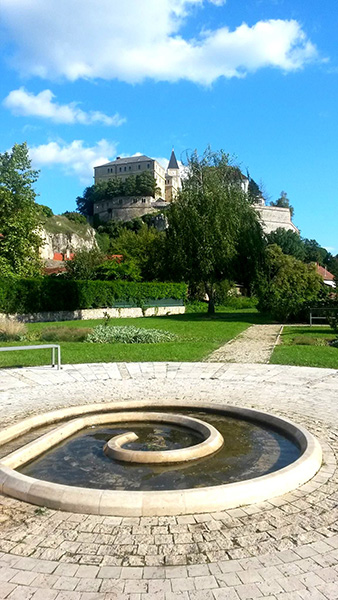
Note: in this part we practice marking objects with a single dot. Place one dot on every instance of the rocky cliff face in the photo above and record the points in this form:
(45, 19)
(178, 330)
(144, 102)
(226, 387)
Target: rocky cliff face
(62, 237)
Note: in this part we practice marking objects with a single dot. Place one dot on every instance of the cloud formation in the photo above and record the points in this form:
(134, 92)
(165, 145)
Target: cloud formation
(74, 158)
(23, 103)
(132, 40)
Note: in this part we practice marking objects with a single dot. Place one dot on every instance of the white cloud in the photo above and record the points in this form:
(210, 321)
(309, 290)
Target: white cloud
(134, 40)
(23, 103)
(74, 158)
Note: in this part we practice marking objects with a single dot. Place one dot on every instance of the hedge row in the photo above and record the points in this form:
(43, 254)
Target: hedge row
(52, 294)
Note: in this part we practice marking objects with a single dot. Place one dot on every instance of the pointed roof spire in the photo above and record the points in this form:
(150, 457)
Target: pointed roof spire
(173, 164)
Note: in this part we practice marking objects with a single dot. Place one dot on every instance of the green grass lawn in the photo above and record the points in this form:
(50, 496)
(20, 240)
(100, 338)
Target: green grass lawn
(306, 347)
(198, 335)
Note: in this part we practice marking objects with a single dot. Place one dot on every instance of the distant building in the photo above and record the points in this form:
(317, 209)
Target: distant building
(124, 208)
(328, 278)
(274, 217)
(169, 182)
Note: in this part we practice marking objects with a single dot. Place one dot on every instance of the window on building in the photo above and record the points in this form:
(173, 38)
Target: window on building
(143, 200)
(125, 168)
(120, 169)
(139, 166)
(129, 168)
(148, 166)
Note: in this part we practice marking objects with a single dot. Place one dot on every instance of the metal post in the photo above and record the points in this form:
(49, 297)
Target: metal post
(59, 357)
(53, 356)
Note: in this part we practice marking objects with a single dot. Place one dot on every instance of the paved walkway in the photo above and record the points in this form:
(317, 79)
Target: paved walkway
(284, 549)
(254, 345)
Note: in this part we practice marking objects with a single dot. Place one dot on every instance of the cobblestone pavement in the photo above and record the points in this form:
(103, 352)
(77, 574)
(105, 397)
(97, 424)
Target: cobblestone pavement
(283, 549)
(254, 345)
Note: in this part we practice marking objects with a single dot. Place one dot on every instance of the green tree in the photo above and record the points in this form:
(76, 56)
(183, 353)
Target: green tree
(126, 270)
(75, 217)
(207, 222)
(145, 247)
(84, 264)
(287, 285)
(20, 216)
(289, 241)
(314, 252)
(283, 202)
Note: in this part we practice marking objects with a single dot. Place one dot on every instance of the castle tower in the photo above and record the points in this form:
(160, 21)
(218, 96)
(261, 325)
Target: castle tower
(172, 178)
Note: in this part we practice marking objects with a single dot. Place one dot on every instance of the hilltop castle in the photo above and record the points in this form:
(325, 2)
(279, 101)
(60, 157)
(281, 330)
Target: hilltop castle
(124, 208)
(168, 182)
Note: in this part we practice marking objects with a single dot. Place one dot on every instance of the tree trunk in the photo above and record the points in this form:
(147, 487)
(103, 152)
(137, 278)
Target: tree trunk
(210, 290)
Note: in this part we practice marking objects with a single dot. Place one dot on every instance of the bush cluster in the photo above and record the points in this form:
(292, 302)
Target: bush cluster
(54, 294)
(103, 334)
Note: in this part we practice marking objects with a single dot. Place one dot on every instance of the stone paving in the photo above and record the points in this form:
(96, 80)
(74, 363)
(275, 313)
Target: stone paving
(283, 549)
(254, 345)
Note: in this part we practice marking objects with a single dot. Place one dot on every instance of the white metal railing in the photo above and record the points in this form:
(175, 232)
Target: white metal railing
(39, 347)
(320, 317)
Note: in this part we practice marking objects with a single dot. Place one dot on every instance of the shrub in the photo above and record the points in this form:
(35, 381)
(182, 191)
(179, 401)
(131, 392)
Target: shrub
(103, 334)
(333, 320)
(53, 294)
(64, 334)
(11, 330)
(75, 217)
(287, 285)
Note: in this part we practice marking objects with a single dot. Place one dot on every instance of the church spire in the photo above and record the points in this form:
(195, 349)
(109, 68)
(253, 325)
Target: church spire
(173, 164)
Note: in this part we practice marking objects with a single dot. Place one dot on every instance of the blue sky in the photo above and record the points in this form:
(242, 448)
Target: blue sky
(84, 81)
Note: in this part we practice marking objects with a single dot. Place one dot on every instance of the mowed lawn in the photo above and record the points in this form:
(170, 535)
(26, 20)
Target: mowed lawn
(306, 347)
(197, 336)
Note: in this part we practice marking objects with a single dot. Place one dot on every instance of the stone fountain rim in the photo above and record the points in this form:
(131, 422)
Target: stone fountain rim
(160, 503)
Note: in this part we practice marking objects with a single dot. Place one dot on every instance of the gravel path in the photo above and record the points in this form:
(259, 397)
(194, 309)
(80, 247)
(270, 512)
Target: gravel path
(254, 345)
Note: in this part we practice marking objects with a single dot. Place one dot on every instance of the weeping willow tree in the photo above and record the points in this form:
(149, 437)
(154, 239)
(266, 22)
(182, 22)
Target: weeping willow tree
(213, 232)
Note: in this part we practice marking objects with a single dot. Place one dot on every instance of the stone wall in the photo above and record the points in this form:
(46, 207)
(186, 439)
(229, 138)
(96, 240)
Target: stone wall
(97, 313)
(274, 217)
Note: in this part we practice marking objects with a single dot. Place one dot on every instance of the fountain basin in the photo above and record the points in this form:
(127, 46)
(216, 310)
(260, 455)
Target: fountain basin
(150, 502)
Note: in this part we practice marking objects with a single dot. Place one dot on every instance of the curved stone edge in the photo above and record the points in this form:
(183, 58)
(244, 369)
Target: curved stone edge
(172, 502)
(213, 441)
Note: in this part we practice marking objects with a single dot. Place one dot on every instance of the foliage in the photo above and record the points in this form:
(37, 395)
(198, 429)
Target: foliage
(283, 202)
(45, 210)
(104, 334)
(127, 270)
(208, 223)
(332, 318)
(75, 216)
(254, 191)
(314, 252)
(11, 330)
(287, 285)
(53, 294)
(20, 217)
(289, 241)
(84, 264)
(143, 184)
(145, 249)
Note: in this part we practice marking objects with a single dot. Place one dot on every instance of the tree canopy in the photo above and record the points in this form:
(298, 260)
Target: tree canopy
(20, 216)
(209, 223)
(287, 285)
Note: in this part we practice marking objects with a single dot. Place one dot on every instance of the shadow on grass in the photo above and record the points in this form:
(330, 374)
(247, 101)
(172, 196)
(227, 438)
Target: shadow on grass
(229, 317)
